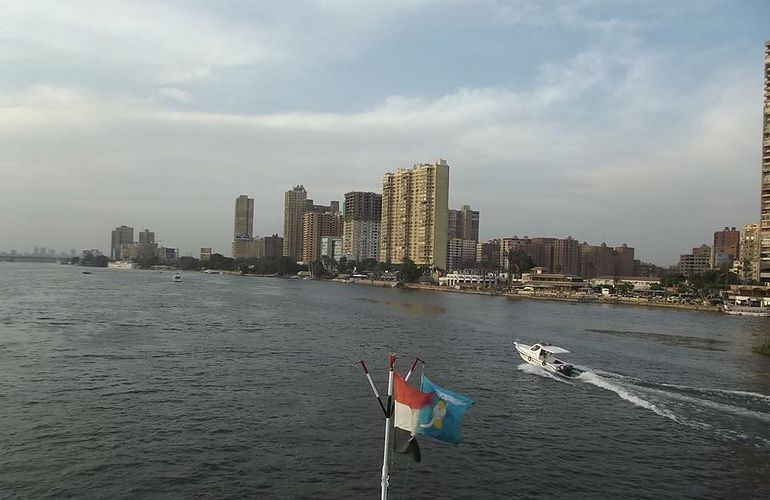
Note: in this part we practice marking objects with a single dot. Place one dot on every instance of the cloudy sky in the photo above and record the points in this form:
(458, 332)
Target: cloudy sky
(617, 121)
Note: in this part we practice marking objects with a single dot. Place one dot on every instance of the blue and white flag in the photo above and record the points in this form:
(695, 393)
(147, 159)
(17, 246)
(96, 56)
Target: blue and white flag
(443, 417)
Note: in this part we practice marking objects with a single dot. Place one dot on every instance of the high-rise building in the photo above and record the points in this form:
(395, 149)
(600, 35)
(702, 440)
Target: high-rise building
(146, 237)
(122, 237)
(244, 246)
(294, 207)
(463, 223)
(361, 239)
(748, 252)
(414, 215)
(243, 228)
(764, 223)
(331, 247)
(461, 254)
(361, 205)
(361, 226)
(596, 260)
(727, 241)
(315, 226)
(624, 260)
(270, 246)
(566, 257)
(488, 254)
(205, 253)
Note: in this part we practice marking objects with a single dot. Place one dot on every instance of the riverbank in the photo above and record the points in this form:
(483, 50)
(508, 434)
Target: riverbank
(574, 298)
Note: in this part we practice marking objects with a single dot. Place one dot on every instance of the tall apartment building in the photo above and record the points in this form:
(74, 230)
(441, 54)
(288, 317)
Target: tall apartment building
(488, 254)
(294, 207)
(270, 246)
(146, 237)
(243, 228)
(764, 223)
(414, 215)
(331, 247)
(565, 257)
(727, 241)
(122, 237)
(463, 223)
(461, 254)
(361, 226)
(315, 226)
(554, 255)
(596, 260)
(748, 252)
(624, 261)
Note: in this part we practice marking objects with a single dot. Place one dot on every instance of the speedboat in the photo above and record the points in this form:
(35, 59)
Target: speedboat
(177, 278)
(543, 355)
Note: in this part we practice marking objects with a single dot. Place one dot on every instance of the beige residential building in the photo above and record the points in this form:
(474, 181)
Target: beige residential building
(748, 252)
(315, 226)
(764, 223)
(414, 215)
(294, 207)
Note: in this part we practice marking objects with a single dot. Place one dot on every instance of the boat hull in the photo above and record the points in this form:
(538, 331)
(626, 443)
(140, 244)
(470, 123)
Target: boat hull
(561, 368)
(758, 312)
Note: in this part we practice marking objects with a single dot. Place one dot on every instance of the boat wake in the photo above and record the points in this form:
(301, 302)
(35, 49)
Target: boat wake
(731, 415)
(542, 372)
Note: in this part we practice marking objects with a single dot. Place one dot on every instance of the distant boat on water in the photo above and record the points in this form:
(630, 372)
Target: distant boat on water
(177, 278)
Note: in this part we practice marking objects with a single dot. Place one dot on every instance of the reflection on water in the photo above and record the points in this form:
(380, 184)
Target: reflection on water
(668, 339)
(407, 306)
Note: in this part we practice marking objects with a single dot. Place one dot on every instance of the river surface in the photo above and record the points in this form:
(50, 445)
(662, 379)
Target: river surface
(123, 384)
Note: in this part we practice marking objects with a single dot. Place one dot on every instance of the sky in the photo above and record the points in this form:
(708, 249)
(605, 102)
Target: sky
(608, 121)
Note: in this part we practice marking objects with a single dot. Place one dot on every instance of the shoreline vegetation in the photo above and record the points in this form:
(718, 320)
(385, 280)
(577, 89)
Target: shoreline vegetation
(558, 297)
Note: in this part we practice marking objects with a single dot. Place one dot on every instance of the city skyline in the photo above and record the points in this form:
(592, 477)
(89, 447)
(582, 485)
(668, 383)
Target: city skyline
(588, 120)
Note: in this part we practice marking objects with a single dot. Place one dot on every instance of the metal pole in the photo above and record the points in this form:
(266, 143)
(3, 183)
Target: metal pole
(411, 369)
(388, 425)
(374, 389)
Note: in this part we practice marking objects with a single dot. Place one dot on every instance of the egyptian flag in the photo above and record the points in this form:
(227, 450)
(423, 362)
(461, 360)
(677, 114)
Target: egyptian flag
(409, 402)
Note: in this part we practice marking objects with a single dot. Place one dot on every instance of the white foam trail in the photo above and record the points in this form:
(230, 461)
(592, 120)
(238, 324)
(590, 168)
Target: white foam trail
(599, 381)
(725, 408)
(747, 394)
(536, 370)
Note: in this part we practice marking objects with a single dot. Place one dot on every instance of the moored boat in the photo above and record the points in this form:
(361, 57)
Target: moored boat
(747, 300)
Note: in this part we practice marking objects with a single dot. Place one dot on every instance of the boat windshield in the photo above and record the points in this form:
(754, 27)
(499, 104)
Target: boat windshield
(535, 347)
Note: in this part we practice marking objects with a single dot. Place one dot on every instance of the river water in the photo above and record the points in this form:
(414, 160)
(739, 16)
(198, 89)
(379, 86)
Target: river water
(123, 384)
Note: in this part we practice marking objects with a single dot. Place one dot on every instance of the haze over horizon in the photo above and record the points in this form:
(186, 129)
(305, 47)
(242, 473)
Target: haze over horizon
(612, 122)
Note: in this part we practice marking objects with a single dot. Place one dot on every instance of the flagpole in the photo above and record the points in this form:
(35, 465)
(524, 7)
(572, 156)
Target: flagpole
(388, 426)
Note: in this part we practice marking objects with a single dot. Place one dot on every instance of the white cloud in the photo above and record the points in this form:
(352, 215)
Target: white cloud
(176, 94)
